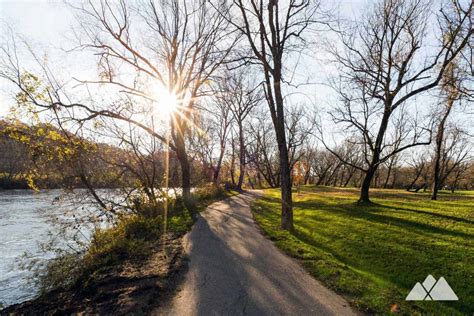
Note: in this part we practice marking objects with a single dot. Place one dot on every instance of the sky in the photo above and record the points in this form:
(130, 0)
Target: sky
(44, 22)
(47, 23)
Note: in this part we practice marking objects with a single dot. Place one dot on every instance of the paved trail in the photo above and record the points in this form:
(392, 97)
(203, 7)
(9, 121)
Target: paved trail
(234, 270)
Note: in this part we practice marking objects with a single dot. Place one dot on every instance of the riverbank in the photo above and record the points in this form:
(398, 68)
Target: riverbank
(130, 267)
(131, 286)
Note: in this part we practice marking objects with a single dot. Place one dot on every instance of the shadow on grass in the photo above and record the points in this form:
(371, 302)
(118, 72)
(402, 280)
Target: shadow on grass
(391, 245)
(437, 215)
(370, 212)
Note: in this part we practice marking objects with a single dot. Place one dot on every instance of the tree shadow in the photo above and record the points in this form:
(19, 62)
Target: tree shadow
(371, 213)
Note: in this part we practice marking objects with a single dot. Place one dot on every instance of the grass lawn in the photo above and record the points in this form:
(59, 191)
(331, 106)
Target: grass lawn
(374, 254)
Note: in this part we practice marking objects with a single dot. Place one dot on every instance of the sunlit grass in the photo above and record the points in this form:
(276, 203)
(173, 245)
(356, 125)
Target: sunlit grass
(374, 254)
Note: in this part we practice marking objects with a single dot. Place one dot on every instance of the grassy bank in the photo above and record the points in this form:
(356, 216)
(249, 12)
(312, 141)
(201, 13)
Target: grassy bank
(127, 268)
(374, 254)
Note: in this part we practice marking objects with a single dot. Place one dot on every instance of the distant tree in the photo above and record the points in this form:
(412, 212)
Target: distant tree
(455, 152)
(454, 89)
(13, 156)
(418, 163)
(222, 118)
(239, 92)
(299, 125)
(263, 152)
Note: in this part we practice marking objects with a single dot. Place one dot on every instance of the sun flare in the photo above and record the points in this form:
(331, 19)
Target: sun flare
(166, 101)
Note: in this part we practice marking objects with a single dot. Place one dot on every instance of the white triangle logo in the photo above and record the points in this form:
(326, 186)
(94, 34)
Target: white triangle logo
(443, 292)
(417, 293)
(432, 290)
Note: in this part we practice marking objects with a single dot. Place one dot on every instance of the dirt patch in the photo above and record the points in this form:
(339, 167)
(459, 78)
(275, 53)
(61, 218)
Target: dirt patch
(134, 287)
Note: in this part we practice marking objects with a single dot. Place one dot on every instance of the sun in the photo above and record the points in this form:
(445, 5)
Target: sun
(166, 101)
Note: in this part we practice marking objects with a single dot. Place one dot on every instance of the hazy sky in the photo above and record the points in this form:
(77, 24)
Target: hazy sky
(46, 24)
(42, 21)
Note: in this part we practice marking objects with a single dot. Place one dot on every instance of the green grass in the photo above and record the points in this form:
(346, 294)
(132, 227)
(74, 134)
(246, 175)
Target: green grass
(374, 254)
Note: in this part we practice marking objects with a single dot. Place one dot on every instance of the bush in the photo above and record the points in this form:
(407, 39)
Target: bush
(61, 272)
(209, 191)
(129, 238)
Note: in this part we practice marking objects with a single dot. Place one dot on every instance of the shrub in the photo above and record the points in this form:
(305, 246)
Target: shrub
(61, 272)
(129, 238)
(209, 191)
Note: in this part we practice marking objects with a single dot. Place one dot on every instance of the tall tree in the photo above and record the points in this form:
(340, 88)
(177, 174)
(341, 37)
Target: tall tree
(152, 51)
(452, 94)
(456, 86)
(274, 30)
(385, 64)
(222, 121)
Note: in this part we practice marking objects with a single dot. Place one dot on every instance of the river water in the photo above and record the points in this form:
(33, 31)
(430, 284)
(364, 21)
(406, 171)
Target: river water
(24, 226)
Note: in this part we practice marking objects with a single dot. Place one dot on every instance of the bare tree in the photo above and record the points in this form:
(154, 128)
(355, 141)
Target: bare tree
(273, 30)
(454, 89)
(240, 94)
(456, 150)
(145, 50)
(299, 126)
(418, 164)
(384, 66)
(262, 149)
(222, 119)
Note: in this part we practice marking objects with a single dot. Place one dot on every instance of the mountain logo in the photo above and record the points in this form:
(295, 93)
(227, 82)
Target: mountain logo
(432, 290)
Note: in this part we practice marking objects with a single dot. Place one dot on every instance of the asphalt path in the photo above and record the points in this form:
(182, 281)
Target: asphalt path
(235, 270)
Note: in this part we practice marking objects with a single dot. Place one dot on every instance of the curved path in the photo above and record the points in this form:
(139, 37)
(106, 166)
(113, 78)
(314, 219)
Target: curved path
(234, 270)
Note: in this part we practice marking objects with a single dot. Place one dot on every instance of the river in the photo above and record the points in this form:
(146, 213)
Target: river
(24, 226)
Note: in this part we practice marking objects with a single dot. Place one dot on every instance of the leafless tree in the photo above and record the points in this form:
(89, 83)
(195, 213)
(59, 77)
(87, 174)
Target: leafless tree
(299, 125)
(418, 163)
(275, 29)
(239, 92)
(222, 121)
(262, 149)
(456, 150)
(174, 45)
(385, 65)
(453, 90)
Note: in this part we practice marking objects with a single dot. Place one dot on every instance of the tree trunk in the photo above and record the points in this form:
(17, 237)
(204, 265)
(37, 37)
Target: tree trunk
(217, 170)
(178, 137)
(241, 157)
(394, 178)
(232, 164)
(286, 198)
(259, 179)
(389, 171)
(439, 145)
(322, 177)
(285, 172)
(364, 190)
(351, 174)
(417, 176)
